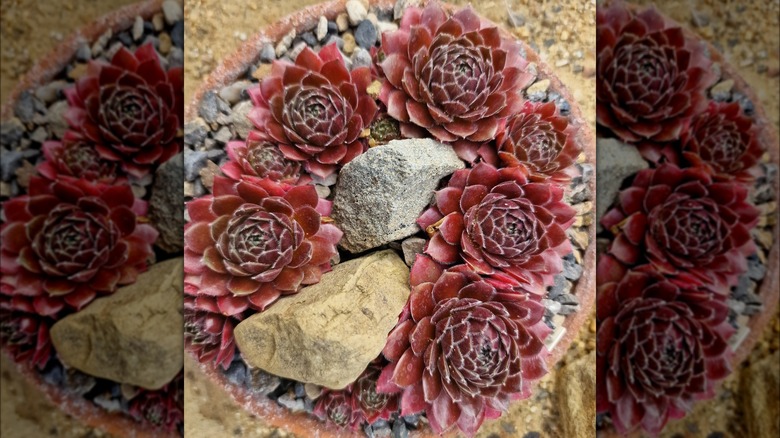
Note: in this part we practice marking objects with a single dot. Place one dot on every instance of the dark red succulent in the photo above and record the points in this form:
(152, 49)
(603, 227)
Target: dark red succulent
(130, 109)
(463, 348)
(163, 408)
(24, 333)
(501, 225)
(453, 77)
(337, 408)
(372, 405)
(68, 241)
(661, 345)
(259, 157)
(681, 221)
(540, 141)
(207, 332)
(255, 240)
(73, 158)
(650, 77)
(722, 140)
(315, 109)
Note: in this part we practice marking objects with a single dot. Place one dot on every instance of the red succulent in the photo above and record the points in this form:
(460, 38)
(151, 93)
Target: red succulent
(682, 221)
(163, 408)
(661, 344)
(500, 225)
(207, 332)
(722, 140)
(337, 408)
(255, 240)
(651, 77)
(24, 333)
(66, 242)
(463, 347)
(258, 157)
(373, 405)
(315, 109)
(73, 159)
(454, 77)
(131, 109)
(540, 141)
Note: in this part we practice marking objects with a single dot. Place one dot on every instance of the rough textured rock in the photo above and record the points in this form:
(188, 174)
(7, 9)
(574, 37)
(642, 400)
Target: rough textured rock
(380, 194)
(328, 333)
(411, 247)
(761, 396)
(615, 162)
(133, 336)
(165, 205)
(576, 388)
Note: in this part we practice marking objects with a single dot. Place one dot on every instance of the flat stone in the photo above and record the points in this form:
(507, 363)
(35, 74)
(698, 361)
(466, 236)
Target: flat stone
(615, 162)
(762, 397)
(356, 12)
(172, 11)
(165, 204)
(381, 193)
(329, 332)
(576, 392)
(365, 34)
(132, 336)
(322, 28)
(411, 247)
(538, 90)
(240, 119)
(138, 28)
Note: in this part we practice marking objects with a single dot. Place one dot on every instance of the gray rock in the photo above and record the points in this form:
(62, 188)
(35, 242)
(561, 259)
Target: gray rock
(756, 270)
(289, 401)
(571, 270)
(344, 319)
(83, 53)
(356, 12)
(195, 132)
(39, 135)
(56, 118)
(411, 247)
(322, 191)
(11, 132)
(322, 28)
(551, 305)
(232, 93)
(212, 106)
(25, 106)
(193, 162)
(223, 135)
(335, 39)
(615, 162)
(361, 58)
(9, 162)
(177, 34)
(284, 43)
(399, 429)
(172, 11)
(569, 304)
(132, 336)
(138, 28)
(50, 92)
(267, 53)
(381, 193)
(175, 57)
(165, 209)
(365, 34)
(309, 38)
(240, 119)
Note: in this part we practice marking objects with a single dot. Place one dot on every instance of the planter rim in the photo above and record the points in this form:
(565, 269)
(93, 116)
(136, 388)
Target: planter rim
(47, 67)
(234, 65)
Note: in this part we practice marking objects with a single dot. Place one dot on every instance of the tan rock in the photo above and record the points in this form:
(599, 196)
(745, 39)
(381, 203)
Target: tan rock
(329, 332)
(576, 395)
(761, 397)
(132, 336)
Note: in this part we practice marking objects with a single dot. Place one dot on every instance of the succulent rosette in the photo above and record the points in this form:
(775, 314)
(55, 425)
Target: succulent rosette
(650, 77)
(163, 408)
(255, 240)
(366, 399)
(66, 242)
(261, 158)
(722, 140)
(463, 347)
(500, 225)
(453, 77)
(207, 332)
(130, 109)
(661, 345)
(682, 221)
(540, 141)
(315, 109)
(337, 407)
(24, 332)
(72, 158)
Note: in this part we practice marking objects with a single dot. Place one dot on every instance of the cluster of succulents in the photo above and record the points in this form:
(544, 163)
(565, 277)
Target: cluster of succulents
(80, 232)
(471, 337)
(680, 231)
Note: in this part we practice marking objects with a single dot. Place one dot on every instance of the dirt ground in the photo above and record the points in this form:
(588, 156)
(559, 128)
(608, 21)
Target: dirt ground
(565, 34)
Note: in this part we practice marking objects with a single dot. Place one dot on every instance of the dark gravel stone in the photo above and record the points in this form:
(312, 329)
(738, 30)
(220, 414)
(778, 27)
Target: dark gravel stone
(195, 133)
(11, 132)
(216, 155)
(753, 304)
(125, 38)
(365, 34)
(563, 105)
(300, 392)
(399, 429)
(586, 170)
(412, 421)
(571, 270)
(9, 162)
(739, 291)
(267, 53)
(25, 107)
(557, 288)
(193, 162)
(335, 38)
(53, 373)
(569, 304)
(333, 28)
(212, 106)
(83, 53)
(309, 38)
(237, 372)
(744, 102)
(756, 270)
(177, 34)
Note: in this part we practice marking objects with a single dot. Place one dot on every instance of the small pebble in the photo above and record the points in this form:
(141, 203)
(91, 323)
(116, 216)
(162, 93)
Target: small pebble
(284, 44)
(322, 28)
(386, 26)
(361, 58)
(349, 43)
(177, 34)
(322, 191)
(195, 132)
(223, 135)
(158, 21)
(25, 107)
(109, 54)
(267, 53)
(165, 43)
(100, 43)
(365, 34)
(538, 91)
(49, 92)
(138, 28)
(9, 162)
(193, 162)
(172, 11)
(309, 38)
(83, 53)
(297, 50)
(356, 12)
(342, 22)
(39, 135)
(722, 90)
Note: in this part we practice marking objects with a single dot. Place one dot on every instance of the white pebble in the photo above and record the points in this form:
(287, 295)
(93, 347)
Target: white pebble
(322, 28)
(356, 12)
(138, 28)
(173, 11)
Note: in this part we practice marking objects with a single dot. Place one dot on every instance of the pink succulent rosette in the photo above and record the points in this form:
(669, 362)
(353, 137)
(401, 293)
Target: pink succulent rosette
(259, 157)
(130, 109)
(315, 109)
(72, 159)
(163, 408)
(23, 331)
(661, 345)
(67, 242)
(463, 348)
(650, 76)
(454, 77)
(681, 221)
(500, 225)
(208, 333)
(255, 240)
(722, 140)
